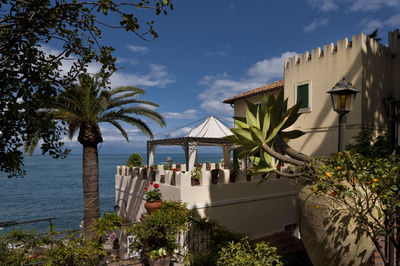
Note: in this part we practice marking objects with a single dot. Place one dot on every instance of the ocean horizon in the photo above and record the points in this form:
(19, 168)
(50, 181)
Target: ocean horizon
(53, 188)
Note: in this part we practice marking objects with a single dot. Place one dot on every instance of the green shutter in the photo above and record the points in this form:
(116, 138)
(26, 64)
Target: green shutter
(302, 95)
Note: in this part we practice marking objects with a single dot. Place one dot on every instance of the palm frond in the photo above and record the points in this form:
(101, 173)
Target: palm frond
(117, 125)
(126, 89)
(141, 110)
(119, 103)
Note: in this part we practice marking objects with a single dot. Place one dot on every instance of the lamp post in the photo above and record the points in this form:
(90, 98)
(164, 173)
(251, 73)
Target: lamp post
(342, 95)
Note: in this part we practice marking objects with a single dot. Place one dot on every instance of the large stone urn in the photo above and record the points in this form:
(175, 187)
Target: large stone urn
(330, 235)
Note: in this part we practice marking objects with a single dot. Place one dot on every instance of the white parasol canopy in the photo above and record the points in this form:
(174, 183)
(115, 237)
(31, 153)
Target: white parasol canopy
(210, 128)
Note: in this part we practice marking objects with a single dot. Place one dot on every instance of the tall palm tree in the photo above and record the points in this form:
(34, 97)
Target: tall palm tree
(82, 107)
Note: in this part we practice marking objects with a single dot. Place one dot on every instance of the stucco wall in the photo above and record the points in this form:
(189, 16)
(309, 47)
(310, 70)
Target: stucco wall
(240, 105)
(368, 65)
(240, 206)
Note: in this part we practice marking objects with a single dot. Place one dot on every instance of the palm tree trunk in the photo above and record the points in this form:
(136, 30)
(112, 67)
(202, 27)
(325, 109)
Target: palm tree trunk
(90, 179)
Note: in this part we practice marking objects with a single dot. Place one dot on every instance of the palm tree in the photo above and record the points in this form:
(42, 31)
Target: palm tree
(82, 107)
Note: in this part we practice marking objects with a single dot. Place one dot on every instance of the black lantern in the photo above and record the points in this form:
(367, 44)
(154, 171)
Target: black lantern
(343, 95)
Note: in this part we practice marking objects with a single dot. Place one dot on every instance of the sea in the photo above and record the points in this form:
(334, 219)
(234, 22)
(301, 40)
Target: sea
(52, 188)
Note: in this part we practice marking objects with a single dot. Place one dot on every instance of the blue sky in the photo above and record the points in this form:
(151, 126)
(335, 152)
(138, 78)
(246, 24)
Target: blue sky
(208, 51)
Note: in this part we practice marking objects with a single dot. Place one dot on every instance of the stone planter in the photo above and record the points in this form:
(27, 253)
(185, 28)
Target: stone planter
(330, 235)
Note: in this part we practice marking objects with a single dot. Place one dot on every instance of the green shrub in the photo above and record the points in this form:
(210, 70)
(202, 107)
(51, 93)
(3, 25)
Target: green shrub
(219, 237)
(135, 160)
(46, 249)
(160, 229)
(241, 254)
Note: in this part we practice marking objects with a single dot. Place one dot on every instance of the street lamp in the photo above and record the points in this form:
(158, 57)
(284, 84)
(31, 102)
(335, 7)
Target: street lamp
(343, 95)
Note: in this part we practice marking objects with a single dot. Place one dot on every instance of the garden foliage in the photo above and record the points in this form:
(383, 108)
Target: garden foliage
(241, 254)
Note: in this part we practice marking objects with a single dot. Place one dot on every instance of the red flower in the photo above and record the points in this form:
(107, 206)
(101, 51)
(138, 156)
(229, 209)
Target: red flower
(175, 170)
(36, 256)
(146, 188)
(278, 166)
(156, 186)
(151, 183)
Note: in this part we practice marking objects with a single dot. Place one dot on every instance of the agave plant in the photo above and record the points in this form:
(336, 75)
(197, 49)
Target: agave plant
(260, 135)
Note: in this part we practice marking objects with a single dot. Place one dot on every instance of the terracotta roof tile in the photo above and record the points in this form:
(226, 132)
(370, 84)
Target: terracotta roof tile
(266, 88)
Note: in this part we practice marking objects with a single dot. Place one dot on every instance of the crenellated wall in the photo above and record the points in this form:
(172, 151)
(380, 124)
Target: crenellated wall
(367, 64)
(240, 205)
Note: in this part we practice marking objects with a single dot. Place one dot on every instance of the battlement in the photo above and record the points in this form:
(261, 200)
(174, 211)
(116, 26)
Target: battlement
(358, 42)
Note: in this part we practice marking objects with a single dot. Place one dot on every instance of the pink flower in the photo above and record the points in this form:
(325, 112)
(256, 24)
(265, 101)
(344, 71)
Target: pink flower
(156, 186)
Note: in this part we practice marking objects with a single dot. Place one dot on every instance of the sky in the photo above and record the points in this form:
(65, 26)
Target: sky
(208, 51)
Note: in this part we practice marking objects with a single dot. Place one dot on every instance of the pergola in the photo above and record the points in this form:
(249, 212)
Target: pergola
(208, 133)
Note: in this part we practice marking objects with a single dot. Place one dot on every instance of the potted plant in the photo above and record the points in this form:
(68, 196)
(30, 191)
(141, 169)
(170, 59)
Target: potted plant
(233, 174)
(156, 235)
(167, 167)
(153, 197)
(135, 160)
(144, 172)
(214, 176)
(196, 175)
(173, 177)
(154, 170)
(217, 166)
(208, 165)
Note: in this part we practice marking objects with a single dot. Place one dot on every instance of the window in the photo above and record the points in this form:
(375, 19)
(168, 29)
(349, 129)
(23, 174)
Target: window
(303, 96)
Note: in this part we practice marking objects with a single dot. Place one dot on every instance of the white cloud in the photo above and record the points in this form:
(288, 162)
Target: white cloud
(324, 5)
(157, 76)
(368, 25)
(316, 24)
(354, 5)
(179, 133)
(138, 49)
(222, 86)
(188, 114)
(373, 5)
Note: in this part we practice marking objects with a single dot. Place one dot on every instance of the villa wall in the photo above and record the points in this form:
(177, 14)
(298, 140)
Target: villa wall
(240, 105)
(240, 206)
(368, 65)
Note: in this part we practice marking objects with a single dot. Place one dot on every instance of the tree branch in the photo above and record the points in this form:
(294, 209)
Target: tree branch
(290, 151)
(277, 172)
(283, 158)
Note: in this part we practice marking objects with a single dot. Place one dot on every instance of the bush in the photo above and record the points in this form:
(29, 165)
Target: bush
(135, 160)
(242, 254)
(161, 228)
(19, 248)
(219, 237)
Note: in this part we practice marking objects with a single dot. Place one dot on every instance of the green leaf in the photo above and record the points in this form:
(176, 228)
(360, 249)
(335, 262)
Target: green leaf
(265, 125)
(251, 116)
(240, 123)
(256, 134)
(277, 129)
(380, 215)
(242, 134)
(293, 134)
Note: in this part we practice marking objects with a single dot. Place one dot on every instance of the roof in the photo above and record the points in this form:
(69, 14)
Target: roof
(198, 141)
(276, 85)
(210, 128)
(209, 133)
